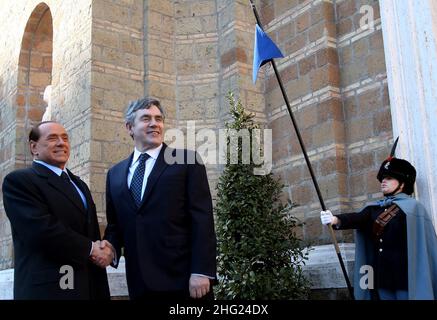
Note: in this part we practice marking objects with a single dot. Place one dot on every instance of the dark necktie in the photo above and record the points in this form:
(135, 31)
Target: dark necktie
(71, 189)
(136, 184)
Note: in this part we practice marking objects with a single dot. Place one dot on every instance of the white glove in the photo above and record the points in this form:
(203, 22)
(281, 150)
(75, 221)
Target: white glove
(326, 217)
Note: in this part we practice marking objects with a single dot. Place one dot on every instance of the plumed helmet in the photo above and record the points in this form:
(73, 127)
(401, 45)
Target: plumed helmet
(400, 169)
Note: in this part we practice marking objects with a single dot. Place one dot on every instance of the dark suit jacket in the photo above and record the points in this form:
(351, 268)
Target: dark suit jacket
(171, 234)
(51, 229)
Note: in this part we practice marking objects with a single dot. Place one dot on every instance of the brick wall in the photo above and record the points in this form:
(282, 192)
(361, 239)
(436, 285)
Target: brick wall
(117, 76)
(334, 75)
(365, 98)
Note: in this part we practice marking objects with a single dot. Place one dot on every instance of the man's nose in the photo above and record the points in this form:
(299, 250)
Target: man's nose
(60, 141)
(152, 122)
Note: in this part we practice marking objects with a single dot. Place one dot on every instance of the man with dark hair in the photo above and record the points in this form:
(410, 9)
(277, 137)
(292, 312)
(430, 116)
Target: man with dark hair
(58, 253)
(395, 238)
(161, 213)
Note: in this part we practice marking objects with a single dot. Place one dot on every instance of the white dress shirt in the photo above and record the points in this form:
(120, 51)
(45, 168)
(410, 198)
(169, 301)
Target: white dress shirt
(150, 163)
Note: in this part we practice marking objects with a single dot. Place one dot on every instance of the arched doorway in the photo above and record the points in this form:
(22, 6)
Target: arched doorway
(34, 77)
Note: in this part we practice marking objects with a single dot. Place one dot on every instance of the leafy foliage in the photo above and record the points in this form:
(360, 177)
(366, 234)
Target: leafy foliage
(260, 256)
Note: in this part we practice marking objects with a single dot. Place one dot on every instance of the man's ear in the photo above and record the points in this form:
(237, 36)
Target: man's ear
(32, 146)
(129, 129)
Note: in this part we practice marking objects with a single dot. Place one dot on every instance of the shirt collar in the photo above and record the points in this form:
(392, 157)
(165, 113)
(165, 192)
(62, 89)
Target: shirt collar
(153, 153)
(56, 170)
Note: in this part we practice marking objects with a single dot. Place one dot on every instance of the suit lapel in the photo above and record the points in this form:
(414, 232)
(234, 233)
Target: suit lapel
(157, 170)
(81, 185)
(56, 182)
(121, 182)
(90, 213)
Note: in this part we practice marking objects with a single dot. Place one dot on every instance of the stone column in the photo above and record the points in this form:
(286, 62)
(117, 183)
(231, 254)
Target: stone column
(410, 38)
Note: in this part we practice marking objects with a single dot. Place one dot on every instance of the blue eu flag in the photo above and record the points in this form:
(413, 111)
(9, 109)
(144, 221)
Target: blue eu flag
(263, 50)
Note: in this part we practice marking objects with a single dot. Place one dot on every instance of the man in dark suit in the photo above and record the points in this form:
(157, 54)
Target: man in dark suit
(54, 225)
(161, 213)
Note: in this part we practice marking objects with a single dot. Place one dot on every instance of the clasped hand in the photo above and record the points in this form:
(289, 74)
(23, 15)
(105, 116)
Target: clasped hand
(102, 253)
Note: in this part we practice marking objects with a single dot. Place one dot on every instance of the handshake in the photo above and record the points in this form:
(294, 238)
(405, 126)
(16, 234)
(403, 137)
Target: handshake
(102, 253)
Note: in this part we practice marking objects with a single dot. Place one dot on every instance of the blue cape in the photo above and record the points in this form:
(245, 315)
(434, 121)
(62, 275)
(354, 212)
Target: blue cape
(422, 250)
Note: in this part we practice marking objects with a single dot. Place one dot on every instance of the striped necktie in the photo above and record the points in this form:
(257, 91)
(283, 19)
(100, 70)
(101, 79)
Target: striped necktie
(136, 184)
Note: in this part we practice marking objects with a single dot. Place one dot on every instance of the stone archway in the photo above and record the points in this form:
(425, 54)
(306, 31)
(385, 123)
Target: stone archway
(34, 76)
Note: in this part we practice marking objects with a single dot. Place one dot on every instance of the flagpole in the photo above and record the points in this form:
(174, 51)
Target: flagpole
(307, 160)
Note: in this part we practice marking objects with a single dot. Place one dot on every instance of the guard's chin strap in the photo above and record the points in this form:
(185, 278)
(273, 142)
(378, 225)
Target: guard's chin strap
(394, 191)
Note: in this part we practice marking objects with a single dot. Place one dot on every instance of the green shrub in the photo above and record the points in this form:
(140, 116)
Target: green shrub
(259, 255)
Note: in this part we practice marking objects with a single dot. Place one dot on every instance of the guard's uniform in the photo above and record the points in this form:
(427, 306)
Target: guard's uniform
(390, 248)
(383, 238)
